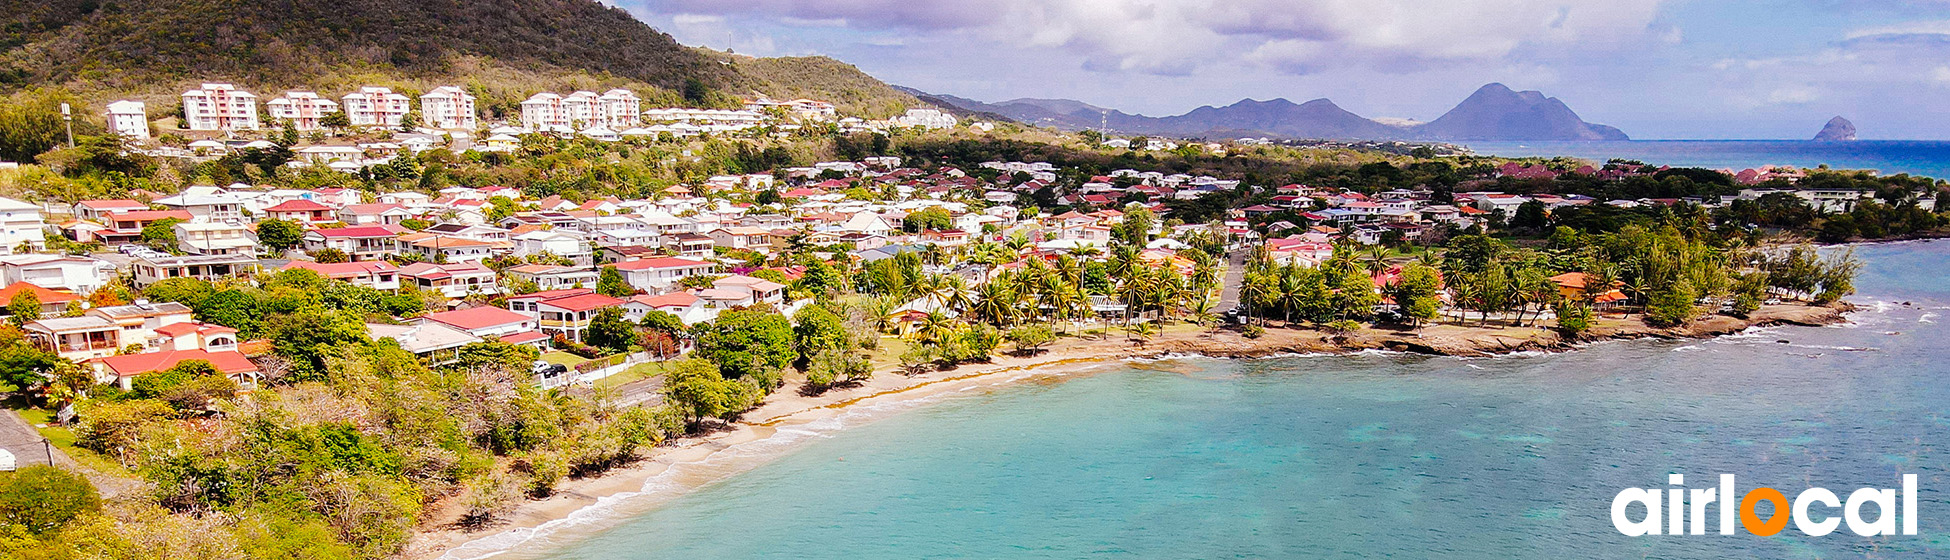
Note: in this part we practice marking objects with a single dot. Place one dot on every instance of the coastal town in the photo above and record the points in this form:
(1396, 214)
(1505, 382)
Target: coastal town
(647, 313)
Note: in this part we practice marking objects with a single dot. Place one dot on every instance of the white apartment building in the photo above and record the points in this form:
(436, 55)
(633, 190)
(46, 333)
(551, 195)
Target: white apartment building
(129, 119)
(215, 238)
(217, 106)
(619, 109)
(927, 118)
(543, 111)
(615, 109)
(20, 224)
(375, 106)
(448, 107)
(303, 109)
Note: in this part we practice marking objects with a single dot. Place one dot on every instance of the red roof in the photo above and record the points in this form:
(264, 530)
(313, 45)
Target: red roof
(673, 299)
(297, 205)
(524, 337)
(478, 318)
(584, 302)
(553, 294)
(135, 364)
(149, 215)
(46, 296)
(180, 329)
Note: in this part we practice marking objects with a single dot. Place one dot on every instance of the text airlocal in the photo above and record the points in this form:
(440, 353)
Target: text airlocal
(1815, 512)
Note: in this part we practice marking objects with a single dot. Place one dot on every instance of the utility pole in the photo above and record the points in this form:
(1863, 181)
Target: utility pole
(67, 118)
(49, 447)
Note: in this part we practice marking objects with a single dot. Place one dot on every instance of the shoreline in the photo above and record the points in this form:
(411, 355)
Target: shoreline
(787, 419)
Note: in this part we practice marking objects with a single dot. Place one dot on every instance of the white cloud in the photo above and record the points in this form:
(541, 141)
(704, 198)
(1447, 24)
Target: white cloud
(1176, 37)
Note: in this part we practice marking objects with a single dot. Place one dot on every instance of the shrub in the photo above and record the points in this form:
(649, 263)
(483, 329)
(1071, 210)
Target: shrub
(42, 498)
(1253, 331)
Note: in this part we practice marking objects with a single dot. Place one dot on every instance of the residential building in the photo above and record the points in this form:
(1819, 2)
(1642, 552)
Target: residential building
(215, 238)
(451, 280)
(217, 106)
(129, 119)
(571, 315)
(436, 343)
(81, 275)
(98, 210)
(374, 214)
(122, 227)
(360, 243)
(543, 112)
(153, 267)
(486, 321)
(139, 323)
(687, 306)
(195, 335)
(122, 370)
(75, 338)
(20, 225)
(303, 211)
(757, 289)
(375, 274)
(303, 109)
(561, 244)
(555, 277)
(448, 107)
(690, 245)
(375, 106)
(448, 249)
(618, 109)
(657, 275)
(53, 302)
(207, 203)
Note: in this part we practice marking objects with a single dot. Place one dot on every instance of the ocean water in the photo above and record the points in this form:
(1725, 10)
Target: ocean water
(1364, 456)
(1927, 158)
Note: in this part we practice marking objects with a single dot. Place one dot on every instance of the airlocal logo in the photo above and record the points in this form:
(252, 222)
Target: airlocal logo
(1667, 510)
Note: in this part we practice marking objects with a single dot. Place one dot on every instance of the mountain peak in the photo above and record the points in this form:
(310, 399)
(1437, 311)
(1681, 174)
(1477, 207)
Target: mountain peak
(1495, 112)
(1838, 129)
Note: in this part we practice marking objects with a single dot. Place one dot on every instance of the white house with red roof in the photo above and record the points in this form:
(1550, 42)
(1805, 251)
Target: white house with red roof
(554, 277)
(361, 243)
(685, 305)
(302, 211)
(657, 275)
(195, 336)
(563, 312)
(98, 210)
(122, 370)
(377, 274)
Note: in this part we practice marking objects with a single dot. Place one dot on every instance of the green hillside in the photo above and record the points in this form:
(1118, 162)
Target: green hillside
(505, 49)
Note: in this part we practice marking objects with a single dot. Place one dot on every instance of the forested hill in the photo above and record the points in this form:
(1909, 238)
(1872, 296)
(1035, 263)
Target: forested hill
(150, 47)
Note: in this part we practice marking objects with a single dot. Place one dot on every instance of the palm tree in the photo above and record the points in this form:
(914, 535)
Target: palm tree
(935, 328)
(996, 302)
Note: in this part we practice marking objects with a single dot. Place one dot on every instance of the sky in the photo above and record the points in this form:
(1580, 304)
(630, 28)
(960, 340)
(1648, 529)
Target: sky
(1658, 69)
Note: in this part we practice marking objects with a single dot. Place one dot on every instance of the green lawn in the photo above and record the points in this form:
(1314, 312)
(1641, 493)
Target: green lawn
(64, 438)
(563, 358)
(637, 372)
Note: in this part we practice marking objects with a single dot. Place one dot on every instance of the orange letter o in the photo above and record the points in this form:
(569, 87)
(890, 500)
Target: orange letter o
(1752, 522)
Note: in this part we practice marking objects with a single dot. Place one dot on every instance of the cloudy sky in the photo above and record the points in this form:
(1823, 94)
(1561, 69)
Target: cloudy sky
(1657, 69)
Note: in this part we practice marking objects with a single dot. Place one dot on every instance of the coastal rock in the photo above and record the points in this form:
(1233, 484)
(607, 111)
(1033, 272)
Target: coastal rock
(1838, 129)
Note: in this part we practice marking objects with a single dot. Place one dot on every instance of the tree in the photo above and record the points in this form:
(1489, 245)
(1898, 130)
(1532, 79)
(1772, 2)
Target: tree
(662, 321)
(1530, 216)
(1135, 229)
(816, 329)
(1573, 317)
(612, 284)
(1030, 339)
(22, 364)
(161, 234)
(1672, 306)
(24, 308)
(280, 235)
(748, 343)
(42, 498)
(1417, 293)
(609, 331)
(231, 308)
(697, 389)
(329, 255)
(186, 291)
(931, 218)
(836, 365)
(336, 121)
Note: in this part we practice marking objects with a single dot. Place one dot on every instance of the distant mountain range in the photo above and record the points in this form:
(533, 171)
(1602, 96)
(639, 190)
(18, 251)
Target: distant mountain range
(1494, 112)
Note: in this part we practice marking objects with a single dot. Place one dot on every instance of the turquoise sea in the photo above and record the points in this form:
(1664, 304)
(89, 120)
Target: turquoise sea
(1915, 157)
(1364, 456)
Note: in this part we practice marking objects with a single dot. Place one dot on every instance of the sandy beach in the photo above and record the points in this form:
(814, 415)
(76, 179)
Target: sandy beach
(787, 419)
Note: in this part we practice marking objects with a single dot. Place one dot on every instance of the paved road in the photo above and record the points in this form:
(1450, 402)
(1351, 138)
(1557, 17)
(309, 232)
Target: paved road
(1235, 275)
(20, 438)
